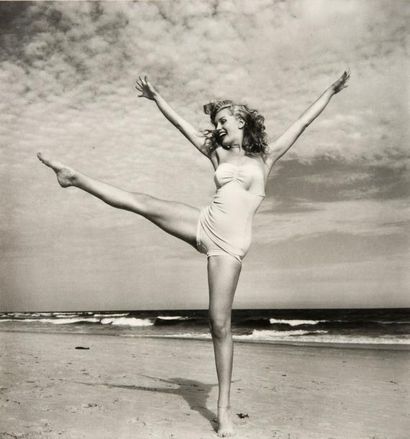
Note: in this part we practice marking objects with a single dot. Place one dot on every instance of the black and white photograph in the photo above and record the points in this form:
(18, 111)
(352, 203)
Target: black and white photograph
(204, 223)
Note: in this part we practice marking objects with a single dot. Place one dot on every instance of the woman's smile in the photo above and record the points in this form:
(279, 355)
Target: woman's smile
(222, 134)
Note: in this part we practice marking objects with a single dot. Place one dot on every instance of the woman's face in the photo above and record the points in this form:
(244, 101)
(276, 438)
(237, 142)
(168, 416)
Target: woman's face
(229, 127)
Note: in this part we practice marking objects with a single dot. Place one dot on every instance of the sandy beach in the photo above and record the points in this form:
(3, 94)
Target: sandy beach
(166, 388)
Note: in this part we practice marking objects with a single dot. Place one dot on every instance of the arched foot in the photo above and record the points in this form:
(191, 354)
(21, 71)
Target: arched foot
(65, 175)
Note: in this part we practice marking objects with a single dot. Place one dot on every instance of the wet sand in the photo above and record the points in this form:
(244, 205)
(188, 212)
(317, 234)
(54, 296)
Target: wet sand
(138, 388)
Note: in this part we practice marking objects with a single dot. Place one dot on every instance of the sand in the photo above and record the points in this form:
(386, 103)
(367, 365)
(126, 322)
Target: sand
(166, 388)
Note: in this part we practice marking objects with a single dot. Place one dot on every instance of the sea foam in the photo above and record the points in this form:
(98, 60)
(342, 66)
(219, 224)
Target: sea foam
(127, 321)
(294, 322)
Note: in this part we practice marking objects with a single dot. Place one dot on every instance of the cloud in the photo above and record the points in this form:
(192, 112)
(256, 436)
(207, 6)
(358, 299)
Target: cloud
(66, 87)
(363, 284)
(336, 247)
(371, 218)
(326, 179)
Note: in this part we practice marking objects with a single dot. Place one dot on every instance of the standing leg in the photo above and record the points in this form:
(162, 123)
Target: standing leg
(175, 218)
(223, 275)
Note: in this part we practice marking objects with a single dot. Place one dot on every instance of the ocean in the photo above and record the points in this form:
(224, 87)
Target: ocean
(388, 328)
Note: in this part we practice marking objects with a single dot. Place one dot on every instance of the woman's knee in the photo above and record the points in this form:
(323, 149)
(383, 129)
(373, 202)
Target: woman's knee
(220, 327)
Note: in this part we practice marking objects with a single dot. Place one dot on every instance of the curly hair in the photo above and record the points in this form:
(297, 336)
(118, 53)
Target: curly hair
(254, 136)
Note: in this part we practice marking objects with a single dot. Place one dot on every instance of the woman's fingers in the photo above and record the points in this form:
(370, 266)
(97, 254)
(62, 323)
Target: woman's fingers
(145, 88)
(346, 75)
(140, 85)
(143, 81)
(140, 89)
(340, 84)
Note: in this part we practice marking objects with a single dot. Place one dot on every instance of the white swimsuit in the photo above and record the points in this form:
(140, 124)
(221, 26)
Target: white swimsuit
(225, 226)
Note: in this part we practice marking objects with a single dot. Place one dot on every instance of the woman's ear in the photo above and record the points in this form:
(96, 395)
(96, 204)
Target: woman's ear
(241, 123)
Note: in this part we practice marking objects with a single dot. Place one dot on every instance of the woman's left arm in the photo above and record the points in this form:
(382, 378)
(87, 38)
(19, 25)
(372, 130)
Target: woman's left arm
(289, 137)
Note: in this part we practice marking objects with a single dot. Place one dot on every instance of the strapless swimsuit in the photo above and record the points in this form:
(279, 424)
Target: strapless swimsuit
(225, 226)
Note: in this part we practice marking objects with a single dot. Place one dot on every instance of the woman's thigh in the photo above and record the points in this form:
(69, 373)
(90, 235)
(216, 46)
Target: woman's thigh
(177, 219)
(223, 276)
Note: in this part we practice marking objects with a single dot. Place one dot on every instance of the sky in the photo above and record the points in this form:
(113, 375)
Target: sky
(333, 230)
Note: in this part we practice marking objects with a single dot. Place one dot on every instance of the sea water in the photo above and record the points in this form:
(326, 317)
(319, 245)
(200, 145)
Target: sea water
(337, 327)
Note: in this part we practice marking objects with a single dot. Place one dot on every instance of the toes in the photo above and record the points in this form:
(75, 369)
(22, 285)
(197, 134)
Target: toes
(56, 166)
(223, 433)
(43, 159)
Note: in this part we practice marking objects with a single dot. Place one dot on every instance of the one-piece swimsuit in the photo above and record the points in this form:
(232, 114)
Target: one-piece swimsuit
(225, 226)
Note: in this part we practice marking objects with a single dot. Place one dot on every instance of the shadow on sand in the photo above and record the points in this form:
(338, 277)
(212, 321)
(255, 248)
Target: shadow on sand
(193, 392)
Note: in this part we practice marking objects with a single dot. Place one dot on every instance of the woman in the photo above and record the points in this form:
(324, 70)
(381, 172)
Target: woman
(242, 160)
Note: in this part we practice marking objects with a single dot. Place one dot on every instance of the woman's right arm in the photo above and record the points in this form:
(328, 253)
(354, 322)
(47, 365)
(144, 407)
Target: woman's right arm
(148, 91)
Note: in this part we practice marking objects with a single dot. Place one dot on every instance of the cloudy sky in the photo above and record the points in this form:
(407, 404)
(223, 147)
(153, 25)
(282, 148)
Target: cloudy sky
(333, 229)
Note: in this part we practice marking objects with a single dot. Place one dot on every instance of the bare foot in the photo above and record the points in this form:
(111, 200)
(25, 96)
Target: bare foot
(225, 425)
(65, 175)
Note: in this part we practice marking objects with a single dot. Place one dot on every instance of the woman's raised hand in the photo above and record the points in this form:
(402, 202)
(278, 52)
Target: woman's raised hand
(340, 84)
(146, 89)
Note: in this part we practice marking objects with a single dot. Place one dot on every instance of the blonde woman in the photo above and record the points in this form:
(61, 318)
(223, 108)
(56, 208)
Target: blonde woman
(238, 149)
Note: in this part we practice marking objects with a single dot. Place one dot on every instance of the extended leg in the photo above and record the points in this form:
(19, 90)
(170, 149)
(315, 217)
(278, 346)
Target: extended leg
(223, 275)
(175, 218)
